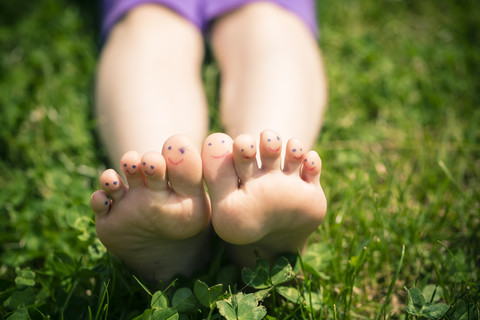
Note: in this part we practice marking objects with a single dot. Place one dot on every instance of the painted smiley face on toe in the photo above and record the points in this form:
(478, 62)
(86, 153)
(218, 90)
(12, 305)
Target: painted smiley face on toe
(148, 169)
(297, 153)
(244, 147)
(218, 146)
(271, 142)
(248, 152)
(175, 155)
(153, 164)
(130, 163)
(131, 169)
(309, 164)
(295, 149)
(109, 180)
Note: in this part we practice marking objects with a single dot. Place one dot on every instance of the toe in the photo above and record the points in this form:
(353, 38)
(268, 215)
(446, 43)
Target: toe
(100, 202)
(270, 150)
(218, 167)
(294, 154)
(312, 167)
(112, 184)
(154, 168)
(131, 166)
(244, 156)
(184, 166)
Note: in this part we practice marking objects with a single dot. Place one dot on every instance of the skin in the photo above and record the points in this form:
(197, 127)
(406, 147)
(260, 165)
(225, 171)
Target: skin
(149, 88)
(270, 211)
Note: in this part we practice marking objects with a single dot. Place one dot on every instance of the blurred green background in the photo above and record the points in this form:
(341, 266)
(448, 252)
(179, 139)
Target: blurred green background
(400, 148)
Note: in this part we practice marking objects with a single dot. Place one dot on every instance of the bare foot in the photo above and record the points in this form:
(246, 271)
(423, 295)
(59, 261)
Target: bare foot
(269, 209)
(158, 225)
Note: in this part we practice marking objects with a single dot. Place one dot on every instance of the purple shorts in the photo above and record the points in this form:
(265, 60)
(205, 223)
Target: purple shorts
(202, 12)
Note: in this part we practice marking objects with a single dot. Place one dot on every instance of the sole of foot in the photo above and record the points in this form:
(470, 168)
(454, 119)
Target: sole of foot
(267, 209)
(158, 224)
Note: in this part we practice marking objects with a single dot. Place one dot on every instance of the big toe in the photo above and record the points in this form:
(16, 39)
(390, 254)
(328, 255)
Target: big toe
(218, 167)
(184, 166)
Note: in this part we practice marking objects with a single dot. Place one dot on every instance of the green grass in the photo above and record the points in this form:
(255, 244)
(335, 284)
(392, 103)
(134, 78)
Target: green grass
(401, 162)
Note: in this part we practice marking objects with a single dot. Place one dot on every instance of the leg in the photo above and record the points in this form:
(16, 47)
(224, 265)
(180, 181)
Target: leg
(148, 88)
(148, 83)
(272, 73)
(272, 77)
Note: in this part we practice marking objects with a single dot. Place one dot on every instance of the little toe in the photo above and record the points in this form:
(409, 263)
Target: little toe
(312, 167)
(131, 166)
(244, 156)
(154, 169)
(218, 167)
(184, 166)
(112, 184)
(100, 202)
(294, 154)
(270, 150)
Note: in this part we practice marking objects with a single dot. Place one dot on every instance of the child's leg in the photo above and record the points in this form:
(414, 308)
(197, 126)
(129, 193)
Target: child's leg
(272, 73)
(148, 84)
(272, 78)
(149, 88)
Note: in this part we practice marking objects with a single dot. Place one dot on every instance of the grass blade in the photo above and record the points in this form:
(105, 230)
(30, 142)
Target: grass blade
(392, 284)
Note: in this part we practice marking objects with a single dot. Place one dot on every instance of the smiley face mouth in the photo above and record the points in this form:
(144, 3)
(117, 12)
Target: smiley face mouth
(273, 150)
(247, 157)
(148, 173)
(221, 156)
(299, 157)
(175, 162)
(309, 168)
(132, 174)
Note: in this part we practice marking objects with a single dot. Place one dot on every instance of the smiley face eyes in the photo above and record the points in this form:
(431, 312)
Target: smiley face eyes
(151, 167)
(295, 149)
(210, 144)
(134, 166)
(182, 150)
(251, 147)
(313, 162)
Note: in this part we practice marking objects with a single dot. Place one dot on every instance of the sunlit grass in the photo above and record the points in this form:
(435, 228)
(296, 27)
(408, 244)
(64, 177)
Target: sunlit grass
(400, 148)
